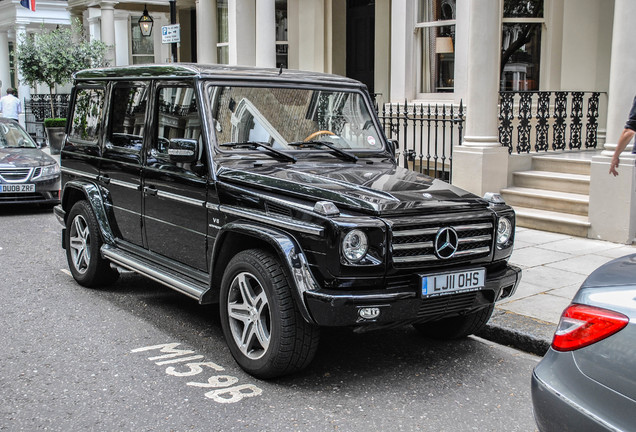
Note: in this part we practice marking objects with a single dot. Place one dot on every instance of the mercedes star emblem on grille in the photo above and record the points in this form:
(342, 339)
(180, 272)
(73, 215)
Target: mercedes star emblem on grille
(446, 242)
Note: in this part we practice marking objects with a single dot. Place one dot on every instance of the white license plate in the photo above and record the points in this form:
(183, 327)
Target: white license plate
(451, 283)
(17, 188)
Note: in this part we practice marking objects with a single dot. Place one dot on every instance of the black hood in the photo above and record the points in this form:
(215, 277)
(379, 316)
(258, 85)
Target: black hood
(379, 188)
(24, 158)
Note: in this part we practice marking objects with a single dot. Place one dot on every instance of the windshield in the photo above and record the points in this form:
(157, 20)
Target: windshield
(284, 118)
(13, 136)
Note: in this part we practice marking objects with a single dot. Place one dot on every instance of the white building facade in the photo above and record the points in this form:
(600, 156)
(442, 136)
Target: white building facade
(418, 51)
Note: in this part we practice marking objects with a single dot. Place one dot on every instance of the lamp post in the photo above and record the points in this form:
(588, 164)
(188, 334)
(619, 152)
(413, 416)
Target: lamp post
(145, 23)
(173, 20)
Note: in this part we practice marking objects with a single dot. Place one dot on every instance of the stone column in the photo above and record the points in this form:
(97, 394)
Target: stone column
(107, 28)
(612, 211)
(242, 35)
(403, 74)
(122, 31)
(5, 71)
(24, 91)
(265, 33)
(480, 165)
(207, 31)
(94, 30)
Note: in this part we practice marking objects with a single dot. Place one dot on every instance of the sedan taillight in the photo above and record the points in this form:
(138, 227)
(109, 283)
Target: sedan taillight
(583, 325)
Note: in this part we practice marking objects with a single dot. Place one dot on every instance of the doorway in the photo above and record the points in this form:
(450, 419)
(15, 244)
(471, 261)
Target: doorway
(361, 41)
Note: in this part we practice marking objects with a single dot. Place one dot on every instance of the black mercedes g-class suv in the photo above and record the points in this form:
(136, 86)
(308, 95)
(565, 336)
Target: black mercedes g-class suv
(276, 195)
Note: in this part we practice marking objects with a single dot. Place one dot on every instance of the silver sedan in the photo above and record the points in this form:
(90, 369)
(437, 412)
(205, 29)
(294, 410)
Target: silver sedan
(587, 380)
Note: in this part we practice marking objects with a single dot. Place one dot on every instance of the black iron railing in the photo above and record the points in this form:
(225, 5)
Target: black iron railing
(38, 107)
(426, 134)
(546, 120)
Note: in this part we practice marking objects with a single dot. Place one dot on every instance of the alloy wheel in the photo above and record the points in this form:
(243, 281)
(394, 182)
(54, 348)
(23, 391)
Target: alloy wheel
(80, 242)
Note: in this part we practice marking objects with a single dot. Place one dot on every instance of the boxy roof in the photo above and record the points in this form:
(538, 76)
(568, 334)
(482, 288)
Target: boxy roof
(195, 70)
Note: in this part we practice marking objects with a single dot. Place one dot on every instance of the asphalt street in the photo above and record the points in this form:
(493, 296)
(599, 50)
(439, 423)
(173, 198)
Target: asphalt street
(75, 359)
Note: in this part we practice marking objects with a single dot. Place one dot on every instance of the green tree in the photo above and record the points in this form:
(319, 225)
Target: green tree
(52, 56)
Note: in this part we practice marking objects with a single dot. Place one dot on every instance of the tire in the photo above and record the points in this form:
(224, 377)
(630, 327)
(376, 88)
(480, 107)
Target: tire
(83, 242)
(264, 330)
(456, 327)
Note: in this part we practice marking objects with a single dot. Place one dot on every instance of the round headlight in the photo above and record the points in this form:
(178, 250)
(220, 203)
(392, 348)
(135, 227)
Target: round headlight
(504, 230)
(355, 245)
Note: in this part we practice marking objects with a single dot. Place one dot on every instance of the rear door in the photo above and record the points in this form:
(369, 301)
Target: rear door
(121, 163)
(174, 193)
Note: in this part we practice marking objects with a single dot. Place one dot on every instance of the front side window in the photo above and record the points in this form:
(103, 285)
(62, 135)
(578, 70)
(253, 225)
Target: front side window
(436, 29)
(142, 48)
(87, 115)
(521, 44)
(285, 118)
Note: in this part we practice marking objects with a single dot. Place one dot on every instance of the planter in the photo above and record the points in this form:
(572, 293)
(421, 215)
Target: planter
(55, 138)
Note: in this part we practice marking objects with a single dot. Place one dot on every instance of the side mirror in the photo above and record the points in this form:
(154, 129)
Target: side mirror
(394, 146)
(183, 150)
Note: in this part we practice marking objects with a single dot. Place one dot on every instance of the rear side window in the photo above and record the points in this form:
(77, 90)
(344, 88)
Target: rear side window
(127, 116)
(87, 115)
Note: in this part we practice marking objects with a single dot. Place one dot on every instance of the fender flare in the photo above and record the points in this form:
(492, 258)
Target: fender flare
(94, 197)
(288, 251)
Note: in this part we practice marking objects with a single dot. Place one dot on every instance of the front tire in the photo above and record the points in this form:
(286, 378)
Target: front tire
(83, 242)
(456, 327)
(264, 330)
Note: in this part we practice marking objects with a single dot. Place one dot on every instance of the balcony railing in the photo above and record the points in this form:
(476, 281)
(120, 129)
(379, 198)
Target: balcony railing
(38, 108)
(545, 120)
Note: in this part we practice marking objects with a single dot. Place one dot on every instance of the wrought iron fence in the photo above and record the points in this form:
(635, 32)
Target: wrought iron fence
(38, 107)
(426, 134)
(548, 120)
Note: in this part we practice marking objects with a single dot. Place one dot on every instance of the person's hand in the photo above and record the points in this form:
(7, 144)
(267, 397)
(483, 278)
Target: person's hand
(614, 165)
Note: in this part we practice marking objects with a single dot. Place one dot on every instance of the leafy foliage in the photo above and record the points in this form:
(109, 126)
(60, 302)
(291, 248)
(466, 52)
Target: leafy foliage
(52, 56)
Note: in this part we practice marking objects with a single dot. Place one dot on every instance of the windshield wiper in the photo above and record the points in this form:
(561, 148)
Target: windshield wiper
(337, 151)
(256, 145)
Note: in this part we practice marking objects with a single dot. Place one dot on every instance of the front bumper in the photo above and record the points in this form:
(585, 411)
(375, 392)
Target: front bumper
(47, 192)
(337, 308)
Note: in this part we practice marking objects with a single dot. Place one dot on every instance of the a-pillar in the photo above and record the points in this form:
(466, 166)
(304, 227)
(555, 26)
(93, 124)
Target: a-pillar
(480, 164)
(107, 28)
(265, 33)
(207, 31)
(241, 29)
(5, 71)
(612, 210)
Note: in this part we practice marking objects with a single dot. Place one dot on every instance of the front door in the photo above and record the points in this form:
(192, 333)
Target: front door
(361, 41)
(174, 192)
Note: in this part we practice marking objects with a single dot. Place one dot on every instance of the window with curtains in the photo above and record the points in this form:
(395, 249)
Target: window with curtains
(436, 40)
(523, 21)
(223, 39)
(281, 34)
(142, 48)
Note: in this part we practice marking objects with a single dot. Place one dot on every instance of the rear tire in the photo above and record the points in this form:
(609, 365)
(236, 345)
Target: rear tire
(83, 243)
(264, 330)
(456, 327)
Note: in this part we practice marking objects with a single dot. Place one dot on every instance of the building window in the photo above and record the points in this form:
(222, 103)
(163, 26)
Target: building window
(523, 21)
(223, 45)
(281, 34)
(436, 24)
(142, 49)
(11, 65)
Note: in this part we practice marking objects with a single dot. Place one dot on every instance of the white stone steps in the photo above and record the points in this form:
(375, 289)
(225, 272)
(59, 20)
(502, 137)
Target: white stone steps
(561, 164)
(555, 181)
(545, 220)
(542, 199)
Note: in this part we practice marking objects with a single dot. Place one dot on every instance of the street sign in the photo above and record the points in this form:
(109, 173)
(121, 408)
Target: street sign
(171, 34)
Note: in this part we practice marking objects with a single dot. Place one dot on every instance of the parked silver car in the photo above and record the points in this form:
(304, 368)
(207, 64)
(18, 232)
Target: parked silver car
(587, 380)
(27, 174)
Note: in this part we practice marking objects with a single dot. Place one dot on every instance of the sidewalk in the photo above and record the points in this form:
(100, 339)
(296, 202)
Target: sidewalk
(554, 266)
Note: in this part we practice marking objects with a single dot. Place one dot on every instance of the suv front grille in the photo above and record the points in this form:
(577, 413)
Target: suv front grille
(415, 243)
(14, 175)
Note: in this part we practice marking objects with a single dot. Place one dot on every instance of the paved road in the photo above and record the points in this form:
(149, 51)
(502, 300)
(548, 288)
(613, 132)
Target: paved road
(74, 359)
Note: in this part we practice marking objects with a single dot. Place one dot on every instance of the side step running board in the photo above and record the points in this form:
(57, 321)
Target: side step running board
(171, 279)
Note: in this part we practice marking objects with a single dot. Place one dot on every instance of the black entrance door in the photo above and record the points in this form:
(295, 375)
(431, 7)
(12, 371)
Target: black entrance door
(360, 40)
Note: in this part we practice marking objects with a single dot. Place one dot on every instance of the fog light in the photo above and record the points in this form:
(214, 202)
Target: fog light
(368, 313)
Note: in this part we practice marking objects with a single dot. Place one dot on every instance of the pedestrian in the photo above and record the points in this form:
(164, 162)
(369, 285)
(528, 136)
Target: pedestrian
(624, 139)
(10, 105)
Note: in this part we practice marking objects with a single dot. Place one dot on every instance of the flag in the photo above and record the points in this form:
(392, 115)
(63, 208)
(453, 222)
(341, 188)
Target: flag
(29, 4)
